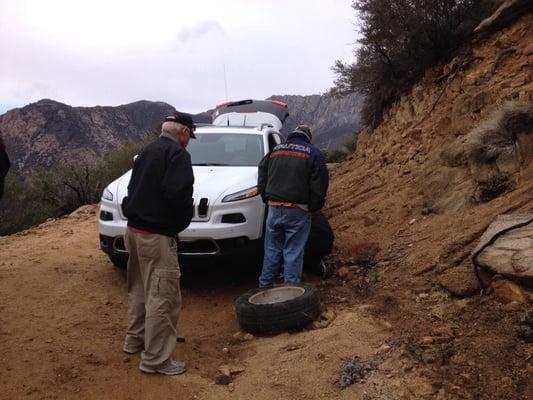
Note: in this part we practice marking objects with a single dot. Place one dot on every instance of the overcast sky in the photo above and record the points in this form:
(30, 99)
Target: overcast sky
(111, 52)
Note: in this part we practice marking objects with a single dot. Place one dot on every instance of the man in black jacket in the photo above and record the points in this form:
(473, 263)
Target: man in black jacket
(293, 181)
(4, 165)
(159, 205)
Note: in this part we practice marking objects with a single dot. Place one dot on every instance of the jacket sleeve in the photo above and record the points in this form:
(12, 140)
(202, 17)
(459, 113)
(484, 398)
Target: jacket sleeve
(177, 188)
(4, 168)
(319, 182)
(4, 163)
(262, 177)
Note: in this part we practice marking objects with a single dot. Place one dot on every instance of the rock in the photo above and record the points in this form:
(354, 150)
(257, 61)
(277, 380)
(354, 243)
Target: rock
(292, 347)
(126, 359)
(528, 50)
(369, 220)
(436, 339)
(423, 389)
(512, 306)
(426, 340)
(321, 324)
(412, 221)
(328, 315)
(247, 337)
(49, 340)
(231, 386)
(525, 332)
(528, 318)
(224, 370)
(384, 348)
(239, 337)
(231, 369)
(225, 350)
(459, 282)
(508, 292)
(180, 339)
(345, 273)
(235, 369)
(221, 379)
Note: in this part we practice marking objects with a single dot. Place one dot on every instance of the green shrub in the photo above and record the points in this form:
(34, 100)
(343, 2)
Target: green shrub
(399, 40)
(351, 144)
(334, 156)
(49, 193)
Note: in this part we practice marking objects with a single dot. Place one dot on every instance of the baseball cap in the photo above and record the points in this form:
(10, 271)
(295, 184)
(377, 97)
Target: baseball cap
(305, 130)
(183, 119)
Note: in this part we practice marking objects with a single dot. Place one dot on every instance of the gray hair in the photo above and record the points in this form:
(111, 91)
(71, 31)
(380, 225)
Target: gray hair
(171, 127)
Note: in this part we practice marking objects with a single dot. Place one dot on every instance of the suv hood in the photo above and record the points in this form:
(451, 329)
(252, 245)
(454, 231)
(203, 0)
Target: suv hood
(215, 182)
(212, 183)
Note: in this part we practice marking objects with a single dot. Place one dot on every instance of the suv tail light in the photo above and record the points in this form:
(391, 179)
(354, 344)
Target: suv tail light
(279, 103)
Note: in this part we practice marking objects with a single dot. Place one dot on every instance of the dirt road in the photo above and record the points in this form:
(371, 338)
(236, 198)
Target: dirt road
(63, 315)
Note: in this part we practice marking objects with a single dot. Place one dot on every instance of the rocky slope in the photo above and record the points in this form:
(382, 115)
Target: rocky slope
(332, 119)
(423, 187)
(46, 132)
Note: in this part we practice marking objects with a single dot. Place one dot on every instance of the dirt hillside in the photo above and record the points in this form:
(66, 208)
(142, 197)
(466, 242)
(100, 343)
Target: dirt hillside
(414, 190)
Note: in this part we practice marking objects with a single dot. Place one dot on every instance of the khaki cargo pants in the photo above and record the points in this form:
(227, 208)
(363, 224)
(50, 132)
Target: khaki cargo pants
(154, 296)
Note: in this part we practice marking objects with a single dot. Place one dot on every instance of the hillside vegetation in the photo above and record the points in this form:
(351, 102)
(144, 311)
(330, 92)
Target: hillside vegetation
(50, 193)
(399, 41)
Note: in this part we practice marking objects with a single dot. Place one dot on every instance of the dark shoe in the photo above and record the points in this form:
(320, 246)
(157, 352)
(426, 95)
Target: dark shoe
(170, 367)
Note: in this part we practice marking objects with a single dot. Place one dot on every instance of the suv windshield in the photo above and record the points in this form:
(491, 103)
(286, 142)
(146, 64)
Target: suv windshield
(229, 149)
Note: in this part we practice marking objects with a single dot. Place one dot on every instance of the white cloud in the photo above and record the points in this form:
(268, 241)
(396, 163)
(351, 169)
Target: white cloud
(113, 52)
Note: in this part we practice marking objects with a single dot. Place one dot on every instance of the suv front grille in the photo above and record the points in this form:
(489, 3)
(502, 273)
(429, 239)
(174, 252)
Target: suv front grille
(203, 207)
(198, 247)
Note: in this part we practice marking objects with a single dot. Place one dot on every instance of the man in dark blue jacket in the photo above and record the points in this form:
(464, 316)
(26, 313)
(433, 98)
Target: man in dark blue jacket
(159, 205)
(293, 181)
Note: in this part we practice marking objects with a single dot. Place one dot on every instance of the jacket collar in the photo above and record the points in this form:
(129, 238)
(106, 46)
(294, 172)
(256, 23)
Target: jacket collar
(299, 135)
(171, 137)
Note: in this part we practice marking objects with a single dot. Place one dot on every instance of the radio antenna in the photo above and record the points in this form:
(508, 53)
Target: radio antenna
(225, 82)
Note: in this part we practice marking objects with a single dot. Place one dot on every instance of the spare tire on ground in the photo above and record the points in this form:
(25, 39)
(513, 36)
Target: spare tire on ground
(288, 307)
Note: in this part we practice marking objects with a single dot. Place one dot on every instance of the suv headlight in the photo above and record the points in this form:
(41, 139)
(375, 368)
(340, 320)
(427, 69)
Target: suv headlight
(243, 194)
(107, 195)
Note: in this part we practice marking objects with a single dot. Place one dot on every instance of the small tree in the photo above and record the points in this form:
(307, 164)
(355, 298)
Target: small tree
(351, 144)
(334, 155)
(400, 39)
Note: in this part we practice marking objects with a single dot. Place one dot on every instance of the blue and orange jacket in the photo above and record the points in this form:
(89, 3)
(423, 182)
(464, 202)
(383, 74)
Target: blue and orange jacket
(294, 172)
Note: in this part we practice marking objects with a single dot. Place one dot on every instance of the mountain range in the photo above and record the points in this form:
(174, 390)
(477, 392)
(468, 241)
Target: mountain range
(47, 132)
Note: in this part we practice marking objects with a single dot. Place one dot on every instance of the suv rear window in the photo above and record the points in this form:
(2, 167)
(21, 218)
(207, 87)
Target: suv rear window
(226, 149)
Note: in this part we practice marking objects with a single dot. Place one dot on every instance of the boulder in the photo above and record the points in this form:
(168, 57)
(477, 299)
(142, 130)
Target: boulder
(506, 248)
(509, 292)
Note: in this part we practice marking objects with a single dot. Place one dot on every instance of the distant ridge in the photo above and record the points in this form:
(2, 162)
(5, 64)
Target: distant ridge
(47, 132)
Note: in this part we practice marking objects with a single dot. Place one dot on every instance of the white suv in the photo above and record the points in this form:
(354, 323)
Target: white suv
(228, 213)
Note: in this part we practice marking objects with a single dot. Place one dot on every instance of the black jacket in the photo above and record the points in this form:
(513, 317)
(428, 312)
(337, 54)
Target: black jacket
(4, 167)
(160, 190)
(294, 172)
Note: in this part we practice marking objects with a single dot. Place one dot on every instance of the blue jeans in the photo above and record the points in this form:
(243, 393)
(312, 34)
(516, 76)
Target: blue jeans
(286, 233)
